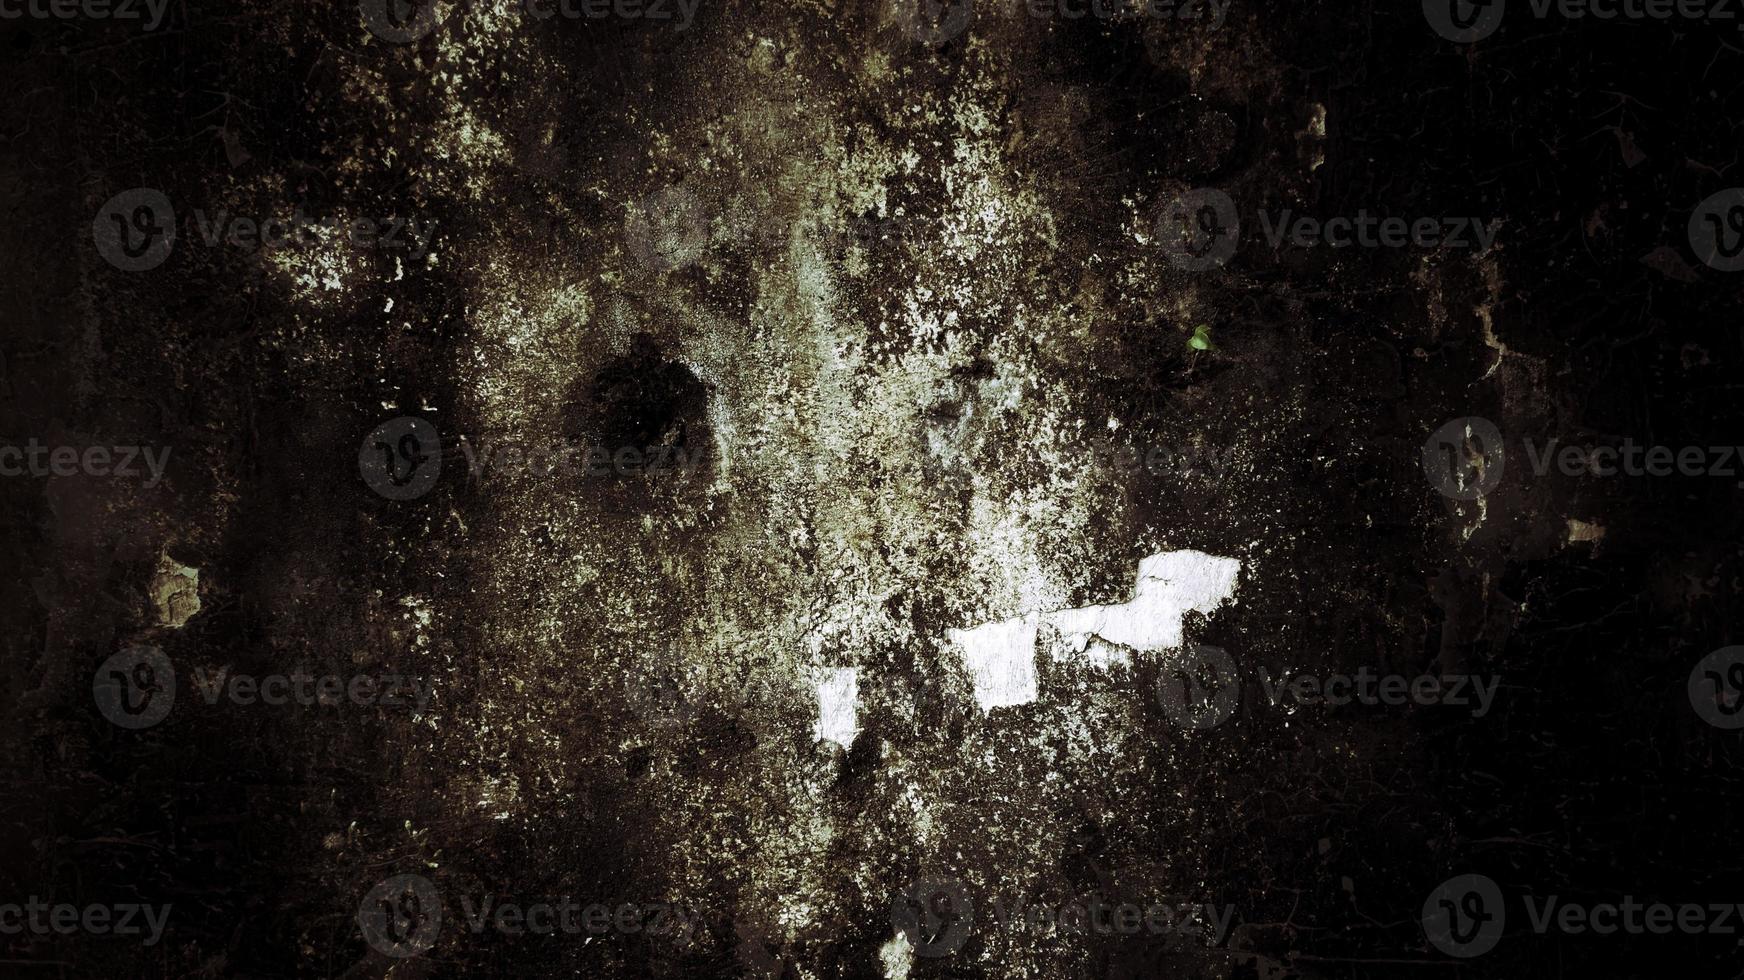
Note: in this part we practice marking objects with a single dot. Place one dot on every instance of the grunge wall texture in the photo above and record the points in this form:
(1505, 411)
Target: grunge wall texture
(905, 300)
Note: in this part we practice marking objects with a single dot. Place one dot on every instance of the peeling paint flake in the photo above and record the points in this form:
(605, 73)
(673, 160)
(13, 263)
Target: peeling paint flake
(1000, 656)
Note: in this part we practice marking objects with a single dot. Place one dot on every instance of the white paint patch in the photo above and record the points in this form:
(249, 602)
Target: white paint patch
(1170, 585)
(897, 957)
(1000, 656)
(837, 690)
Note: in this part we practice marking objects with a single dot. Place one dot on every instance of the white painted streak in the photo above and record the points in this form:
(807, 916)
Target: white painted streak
(837, 690)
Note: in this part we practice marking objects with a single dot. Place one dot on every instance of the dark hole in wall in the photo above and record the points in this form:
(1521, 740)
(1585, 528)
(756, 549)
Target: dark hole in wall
(640, 400)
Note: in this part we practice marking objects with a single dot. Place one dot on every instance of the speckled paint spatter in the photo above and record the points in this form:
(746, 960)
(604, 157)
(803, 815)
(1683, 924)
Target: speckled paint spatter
(845, 250)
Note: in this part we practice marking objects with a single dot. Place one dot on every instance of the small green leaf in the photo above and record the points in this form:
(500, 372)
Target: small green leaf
(1201, 339)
